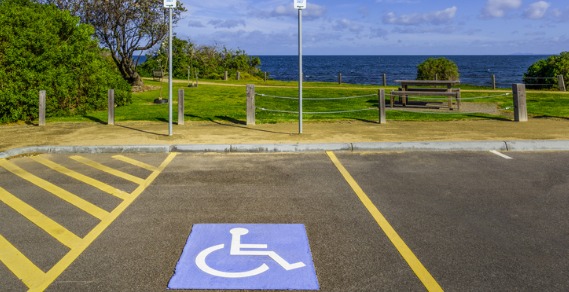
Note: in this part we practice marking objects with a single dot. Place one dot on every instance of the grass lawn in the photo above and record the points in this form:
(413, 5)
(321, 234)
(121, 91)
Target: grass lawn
(226, 101)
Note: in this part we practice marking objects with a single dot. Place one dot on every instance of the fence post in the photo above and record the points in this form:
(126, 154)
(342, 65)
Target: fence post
(381, 104)
(250, 105)
(384, 79)
(42, 108)
(339, 77)
(111, 107)
(226, 76)
(561, 83)
(266, 76)
(494, 81)
(197, 72)
(181, 116)
(238, 75)
(520, 106)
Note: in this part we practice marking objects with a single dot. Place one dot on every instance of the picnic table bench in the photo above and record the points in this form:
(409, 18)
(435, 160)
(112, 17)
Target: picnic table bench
(427, 88)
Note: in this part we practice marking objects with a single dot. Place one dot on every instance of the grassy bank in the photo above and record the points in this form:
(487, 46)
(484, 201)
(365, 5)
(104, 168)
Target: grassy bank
(226, 101)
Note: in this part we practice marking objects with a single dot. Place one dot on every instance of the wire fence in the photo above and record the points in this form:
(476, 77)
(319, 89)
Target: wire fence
(338, 105)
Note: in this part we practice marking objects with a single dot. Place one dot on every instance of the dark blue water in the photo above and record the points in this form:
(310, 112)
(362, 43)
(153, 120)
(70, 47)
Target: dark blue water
(475, 70)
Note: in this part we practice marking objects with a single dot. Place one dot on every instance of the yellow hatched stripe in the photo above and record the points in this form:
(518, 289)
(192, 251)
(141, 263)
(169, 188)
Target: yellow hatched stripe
(422, 273)
(81, 177)
(135, 162)
(53, 228)
(55, 190)
(72, 255)
(19, 264)
(107, 169)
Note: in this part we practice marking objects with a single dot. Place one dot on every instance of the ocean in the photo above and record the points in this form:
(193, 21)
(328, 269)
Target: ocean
(474, 70)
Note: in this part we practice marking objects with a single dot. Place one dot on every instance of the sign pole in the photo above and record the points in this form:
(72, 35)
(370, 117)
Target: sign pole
(300, 71)
(300, 4)
(170, 73)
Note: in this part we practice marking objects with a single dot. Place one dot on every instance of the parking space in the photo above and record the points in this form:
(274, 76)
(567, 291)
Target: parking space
(461, 220)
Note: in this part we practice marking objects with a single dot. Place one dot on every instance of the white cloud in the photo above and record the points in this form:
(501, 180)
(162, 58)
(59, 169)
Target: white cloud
(537, 10)
(435, 18)
(498, 8)
(346, 24)
(230, 23)
(194, 23)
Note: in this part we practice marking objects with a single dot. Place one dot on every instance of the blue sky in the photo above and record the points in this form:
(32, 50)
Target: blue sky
(381, 27)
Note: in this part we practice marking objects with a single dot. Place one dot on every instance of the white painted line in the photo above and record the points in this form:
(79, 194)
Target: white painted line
(501, 154)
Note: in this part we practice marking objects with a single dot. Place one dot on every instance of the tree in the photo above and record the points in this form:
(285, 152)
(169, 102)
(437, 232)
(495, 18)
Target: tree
(44, 48)
(543, 73)
(124, 27)
(437, 68)
(210, 61)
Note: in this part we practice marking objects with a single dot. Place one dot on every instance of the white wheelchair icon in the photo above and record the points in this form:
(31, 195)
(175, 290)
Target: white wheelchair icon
(236, 249)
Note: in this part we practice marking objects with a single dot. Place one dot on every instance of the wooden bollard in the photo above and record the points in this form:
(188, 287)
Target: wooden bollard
(561, 83)
(266, 76)
(384, 79)
(238, 75)
(494, 81)
(226, 76)
(520, 106)
(381, 105)
(42, 104)
(111, 107)
(250, 105)
(181, 116)
(339, 77)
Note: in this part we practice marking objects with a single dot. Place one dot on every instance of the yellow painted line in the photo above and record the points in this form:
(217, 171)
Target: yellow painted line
(19, 264)
(72, 199)
(53, 228)
(422, 273)
(72, 255)
(81, 177)
(135, 162)
(107, 169)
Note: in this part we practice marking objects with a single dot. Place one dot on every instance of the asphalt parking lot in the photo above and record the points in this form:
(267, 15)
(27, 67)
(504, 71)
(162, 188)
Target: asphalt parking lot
(459, 221)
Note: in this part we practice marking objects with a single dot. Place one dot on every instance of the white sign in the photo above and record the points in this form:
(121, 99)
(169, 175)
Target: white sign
(300, 4)
(169, 3)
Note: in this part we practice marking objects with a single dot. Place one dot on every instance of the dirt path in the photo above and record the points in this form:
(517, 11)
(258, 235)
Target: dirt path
(152, 133)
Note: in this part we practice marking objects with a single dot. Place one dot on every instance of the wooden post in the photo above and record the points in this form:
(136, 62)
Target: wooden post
(250, 105)
(561, 83)
(111, 107)
(197, 72)
(226, 77)
(42, 102)
(384, 79)
(181, 115)
(238, 75)
(520, 106)
(266, 76)
(339, 77)
(494, 81)
(381, 103)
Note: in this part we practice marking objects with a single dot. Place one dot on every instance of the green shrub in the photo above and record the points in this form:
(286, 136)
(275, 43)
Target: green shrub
(44, 48)
(543, 73)
(437, 68)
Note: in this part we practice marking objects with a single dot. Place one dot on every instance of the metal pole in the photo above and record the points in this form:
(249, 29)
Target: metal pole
(300, 71)
(170, 75)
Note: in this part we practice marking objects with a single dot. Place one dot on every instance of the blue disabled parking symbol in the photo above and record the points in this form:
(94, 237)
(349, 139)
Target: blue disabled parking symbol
(246, 256)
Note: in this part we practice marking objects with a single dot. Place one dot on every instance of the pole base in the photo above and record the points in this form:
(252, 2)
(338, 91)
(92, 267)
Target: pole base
(160, 101)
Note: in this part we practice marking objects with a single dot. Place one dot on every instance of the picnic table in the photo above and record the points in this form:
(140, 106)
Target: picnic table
(427, 88)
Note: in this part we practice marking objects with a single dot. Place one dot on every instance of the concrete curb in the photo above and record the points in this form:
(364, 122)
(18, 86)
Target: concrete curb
(288, 148)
